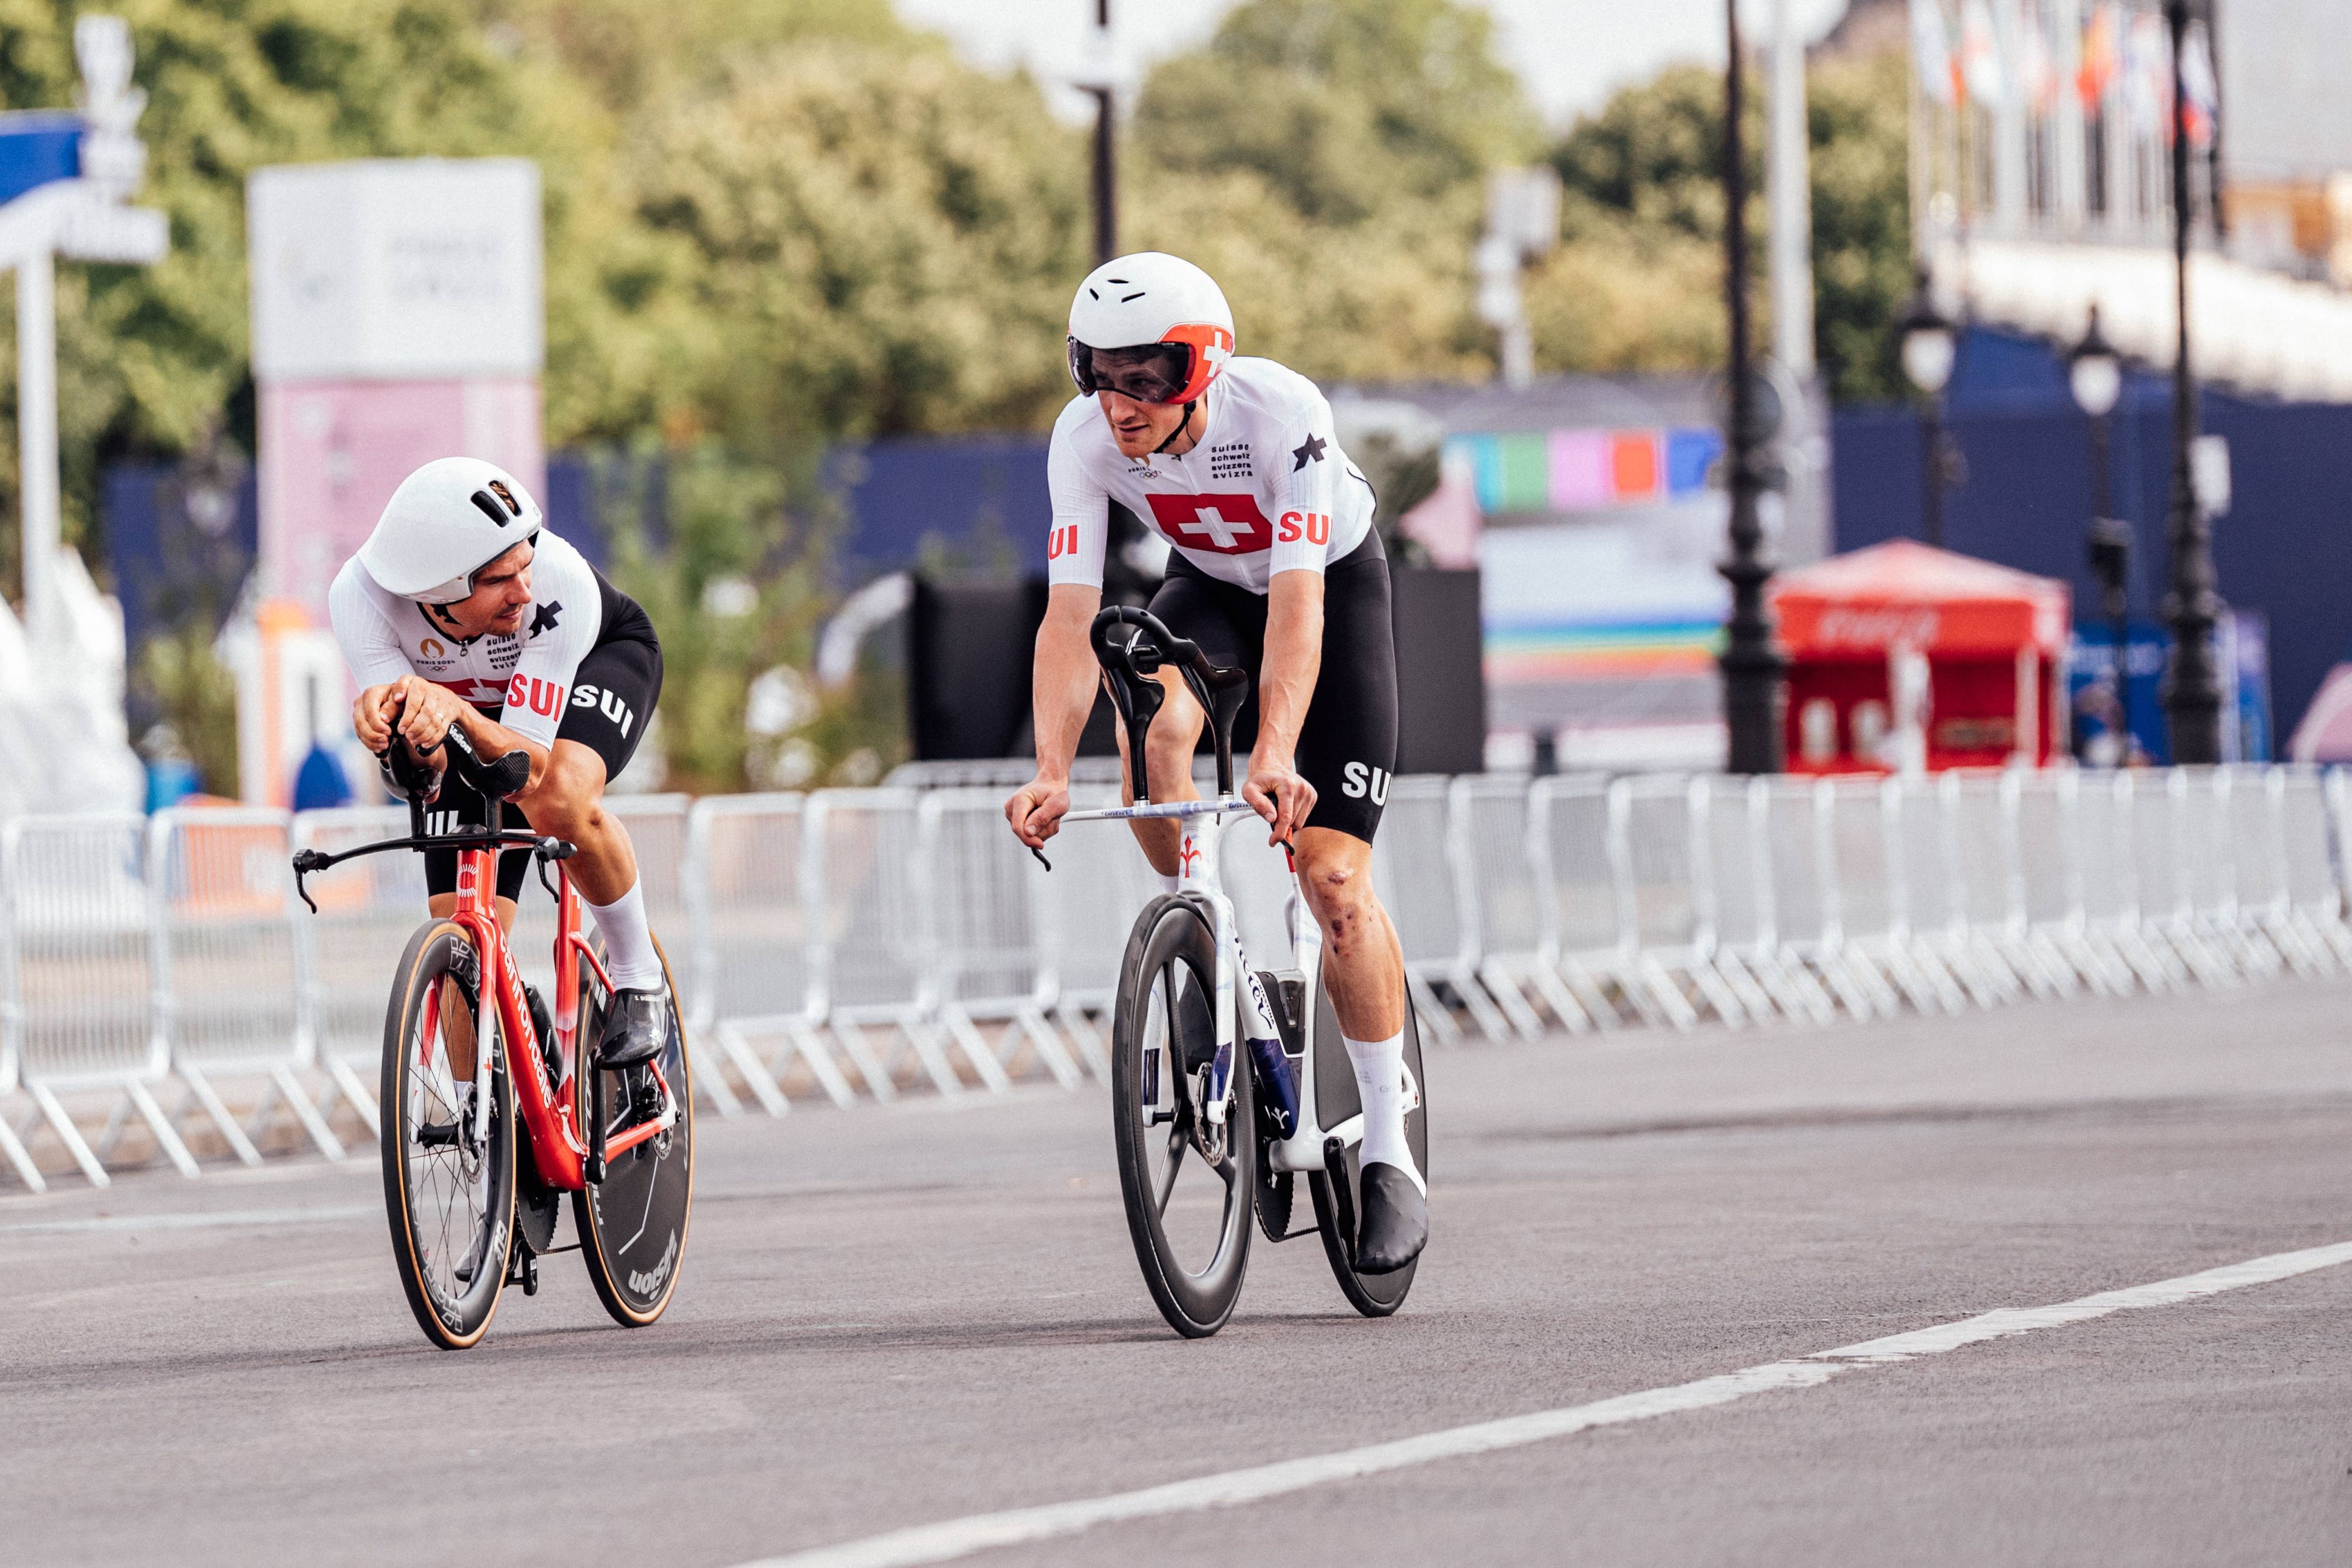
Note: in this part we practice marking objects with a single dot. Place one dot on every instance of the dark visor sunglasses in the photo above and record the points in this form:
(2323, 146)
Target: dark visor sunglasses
(1148, 372)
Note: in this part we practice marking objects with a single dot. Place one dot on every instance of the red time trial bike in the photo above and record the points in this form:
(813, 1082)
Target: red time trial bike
(491, 1115)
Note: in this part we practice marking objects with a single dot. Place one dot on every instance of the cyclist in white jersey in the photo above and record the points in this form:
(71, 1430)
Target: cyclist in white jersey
(463, 611)
(1275, 566)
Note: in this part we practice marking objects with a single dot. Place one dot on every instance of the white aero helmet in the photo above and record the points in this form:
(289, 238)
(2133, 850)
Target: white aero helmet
(1152, 326)
(446, 522)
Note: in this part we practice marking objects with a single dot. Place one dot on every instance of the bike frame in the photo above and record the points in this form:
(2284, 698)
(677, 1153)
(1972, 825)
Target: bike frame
(1200, 877)
(564, 1161)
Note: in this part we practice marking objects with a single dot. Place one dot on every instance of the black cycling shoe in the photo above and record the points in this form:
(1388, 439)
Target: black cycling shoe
(1395, 1226)
(636, 1027)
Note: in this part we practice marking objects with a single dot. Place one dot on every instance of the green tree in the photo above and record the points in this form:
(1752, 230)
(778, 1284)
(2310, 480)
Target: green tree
(1862, 223)
(1638, 282)
(848, 239)
(155, 359)
(1326, 159)
(1347, 110)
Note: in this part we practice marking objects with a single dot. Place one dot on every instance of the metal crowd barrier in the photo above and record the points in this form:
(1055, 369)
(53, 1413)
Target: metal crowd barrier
(870, 943)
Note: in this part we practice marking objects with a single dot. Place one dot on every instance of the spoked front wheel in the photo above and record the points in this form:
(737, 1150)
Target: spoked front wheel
(633, 1225)
(1186, 1178)
(449, 1149)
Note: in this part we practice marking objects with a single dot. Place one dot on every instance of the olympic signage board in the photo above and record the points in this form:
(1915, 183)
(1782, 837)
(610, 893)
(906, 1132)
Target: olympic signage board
(407, 270)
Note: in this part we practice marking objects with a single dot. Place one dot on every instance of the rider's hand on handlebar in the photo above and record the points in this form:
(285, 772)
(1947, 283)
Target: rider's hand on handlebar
(1036, 810)
(375, 712)
(1276, 792)
(431, 711)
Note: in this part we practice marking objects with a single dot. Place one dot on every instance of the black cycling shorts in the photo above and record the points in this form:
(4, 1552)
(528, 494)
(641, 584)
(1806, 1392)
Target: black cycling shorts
(1346, 746)
(613, 696)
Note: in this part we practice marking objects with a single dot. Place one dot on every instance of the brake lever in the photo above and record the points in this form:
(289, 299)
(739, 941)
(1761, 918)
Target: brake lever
(1041, 857)
(305, 862)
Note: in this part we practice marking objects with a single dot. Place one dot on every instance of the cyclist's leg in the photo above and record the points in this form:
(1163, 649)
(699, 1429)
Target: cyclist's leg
(1346, 749)
(1188, 603)
(613, 692)
(460, 803)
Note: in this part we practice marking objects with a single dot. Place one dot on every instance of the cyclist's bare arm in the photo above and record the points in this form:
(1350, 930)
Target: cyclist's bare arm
(1062, 693)
(1294, 658)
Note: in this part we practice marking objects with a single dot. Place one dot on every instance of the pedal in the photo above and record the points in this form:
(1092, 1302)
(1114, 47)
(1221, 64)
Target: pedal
(524, 1270)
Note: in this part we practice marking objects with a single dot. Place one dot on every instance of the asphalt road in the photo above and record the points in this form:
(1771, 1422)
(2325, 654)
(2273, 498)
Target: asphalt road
(895, 1317)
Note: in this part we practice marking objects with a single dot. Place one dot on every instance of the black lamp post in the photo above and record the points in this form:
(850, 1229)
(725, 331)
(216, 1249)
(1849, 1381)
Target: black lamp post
(2192, 688)
(1106, 170)
(1751, 666)
(2095, 373)
(1930, 344)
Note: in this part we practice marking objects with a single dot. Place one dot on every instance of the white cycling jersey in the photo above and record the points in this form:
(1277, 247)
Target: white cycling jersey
(1267, 489)
(522, 680)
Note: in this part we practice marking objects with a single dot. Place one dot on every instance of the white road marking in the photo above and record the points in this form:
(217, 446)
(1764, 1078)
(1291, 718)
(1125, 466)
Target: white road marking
(200, 1221)
(954, 1537)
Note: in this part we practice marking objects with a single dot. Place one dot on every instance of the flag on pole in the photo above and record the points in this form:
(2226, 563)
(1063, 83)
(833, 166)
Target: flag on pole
(2201, 94)
(1980, 55)
(2101, 50)
(1931, 53)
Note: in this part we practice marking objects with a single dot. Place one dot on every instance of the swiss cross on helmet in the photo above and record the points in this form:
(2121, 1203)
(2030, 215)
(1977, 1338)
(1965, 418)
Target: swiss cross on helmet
(447, 521)
(1150, 326)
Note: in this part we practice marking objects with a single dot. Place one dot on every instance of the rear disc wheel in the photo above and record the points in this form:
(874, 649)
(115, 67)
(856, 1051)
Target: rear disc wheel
(633, 1224)
(1374, 1295)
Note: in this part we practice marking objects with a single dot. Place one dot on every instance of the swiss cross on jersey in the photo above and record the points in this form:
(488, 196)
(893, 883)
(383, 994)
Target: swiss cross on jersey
(1227, 523)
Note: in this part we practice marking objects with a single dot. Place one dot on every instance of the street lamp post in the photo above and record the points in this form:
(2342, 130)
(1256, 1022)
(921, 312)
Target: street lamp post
(2095, 373)
(2192, 689)
(1106, 171)
(1751, 666)
(1930, 345)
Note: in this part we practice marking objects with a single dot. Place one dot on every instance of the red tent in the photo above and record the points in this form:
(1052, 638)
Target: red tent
(1986, 647)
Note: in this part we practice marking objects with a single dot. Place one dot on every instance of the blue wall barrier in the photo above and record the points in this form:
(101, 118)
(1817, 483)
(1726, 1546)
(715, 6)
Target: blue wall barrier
(2284, 548)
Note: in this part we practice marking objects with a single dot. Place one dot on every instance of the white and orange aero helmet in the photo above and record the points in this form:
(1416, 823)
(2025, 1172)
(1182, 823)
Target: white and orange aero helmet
(1152, 326)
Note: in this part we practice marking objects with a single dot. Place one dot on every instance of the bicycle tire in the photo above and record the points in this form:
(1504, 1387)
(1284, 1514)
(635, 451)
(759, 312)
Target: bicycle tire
(1168, 936)
(452, 1301)
(1374, 1295)
(632, 1225)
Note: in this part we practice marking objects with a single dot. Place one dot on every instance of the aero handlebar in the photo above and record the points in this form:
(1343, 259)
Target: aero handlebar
(412, 775)
(1132, 646)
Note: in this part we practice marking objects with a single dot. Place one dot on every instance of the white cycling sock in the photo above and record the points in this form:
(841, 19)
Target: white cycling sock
(629, 956)
(1379, 1083)
(1169, 885)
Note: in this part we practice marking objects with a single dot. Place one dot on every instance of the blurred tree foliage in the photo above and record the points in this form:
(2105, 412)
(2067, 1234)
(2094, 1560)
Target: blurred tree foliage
(1638, 282)
(1326, 159)
(770, 223)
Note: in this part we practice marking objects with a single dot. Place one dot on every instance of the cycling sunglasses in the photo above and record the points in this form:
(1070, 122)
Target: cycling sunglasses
(1148, 372)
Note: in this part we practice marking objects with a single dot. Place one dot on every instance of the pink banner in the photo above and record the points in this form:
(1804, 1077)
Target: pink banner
(334, 452)
(1580, 470)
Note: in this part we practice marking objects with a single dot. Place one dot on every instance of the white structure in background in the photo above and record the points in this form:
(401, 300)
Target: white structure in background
(398, 316)
(63, 739)
(1803, 439)
(2041, 180)
(1522, 224)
